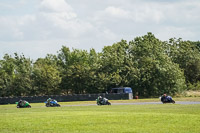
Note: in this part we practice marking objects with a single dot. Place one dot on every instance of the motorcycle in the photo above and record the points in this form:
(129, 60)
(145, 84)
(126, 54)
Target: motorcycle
(23, 104)
(167, 99)
(52, 103)
(104, 101)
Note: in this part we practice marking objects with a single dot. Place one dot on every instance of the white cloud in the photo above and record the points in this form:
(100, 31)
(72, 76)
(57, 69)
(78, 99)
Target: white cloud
(92, 24)
(55, 6)
(33, 49)
(148, 13)
(5, 6)
(117, 12)
(12, 27)
(177, 32)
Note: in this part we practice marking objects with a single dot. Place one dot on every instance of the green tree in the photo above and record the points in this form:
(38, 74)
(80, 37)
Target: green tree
(116, 65)
(151, 67)
(46, 76)
(75, 69)
(157, 73)
(187, 55)
(7, 75)
(23, 82)
(15, 79)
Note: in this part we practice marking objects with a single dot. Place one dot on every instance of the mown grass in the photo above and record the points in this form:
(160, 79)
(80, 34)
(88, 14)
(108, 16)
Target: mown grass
(160, 118)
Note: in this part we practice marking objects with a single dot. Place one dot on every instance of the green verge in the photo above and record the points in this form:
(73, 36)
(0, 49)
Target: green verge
(159, 118)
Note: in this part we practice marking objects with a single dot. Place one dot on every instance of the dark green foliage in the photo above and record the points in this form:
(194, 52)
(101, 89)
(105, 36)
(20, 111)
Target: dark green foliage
(46, 76)
(157, 73)
(187, 55)
(150, 66)
(22, 84)
(7, 76)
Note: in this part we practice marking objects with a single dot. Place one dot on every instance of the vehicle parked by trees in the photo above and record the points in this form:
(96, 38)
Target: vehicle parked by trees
(122, 90)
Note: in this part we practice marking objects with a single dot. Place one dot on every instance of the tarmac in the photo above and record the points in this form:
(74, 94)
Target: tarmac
(137, 103)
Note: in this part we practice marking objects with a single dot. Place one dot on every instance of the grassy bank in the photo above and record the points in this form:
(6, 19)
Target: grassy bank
(165, 118)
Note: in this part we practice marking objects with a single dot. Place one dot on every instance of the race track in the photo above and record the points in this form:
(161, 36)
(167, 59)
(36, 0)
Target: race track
(135, 103)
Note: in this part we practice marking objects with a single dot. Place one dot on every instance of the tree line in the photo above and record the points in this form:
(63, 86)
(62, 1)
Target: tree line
(148, 65)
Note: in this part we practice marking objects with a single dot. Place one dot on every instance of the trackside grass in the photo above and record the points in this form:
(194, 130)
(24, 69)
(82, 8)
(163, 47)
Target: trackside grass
(155, 118)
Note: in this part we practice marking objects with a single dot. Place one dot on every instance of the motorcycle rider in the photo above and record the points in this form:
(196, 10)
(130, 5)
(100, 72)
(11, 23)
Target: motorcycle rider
(19, 103)
(164, 97)
(100, 99)
(49, 100)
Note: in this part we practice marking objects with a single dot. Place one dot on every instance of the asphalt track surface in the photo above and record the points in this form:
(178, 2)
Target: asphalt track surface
(136, 103)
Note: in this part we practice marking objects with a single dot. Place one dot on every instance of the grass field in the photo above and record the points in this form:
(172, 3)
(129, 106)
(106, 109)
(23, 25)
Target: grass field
(155, 118)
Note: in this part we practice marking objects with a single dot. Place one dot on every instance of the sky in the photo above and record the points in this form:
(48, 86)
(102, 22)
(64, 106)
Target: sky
(36, 28)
